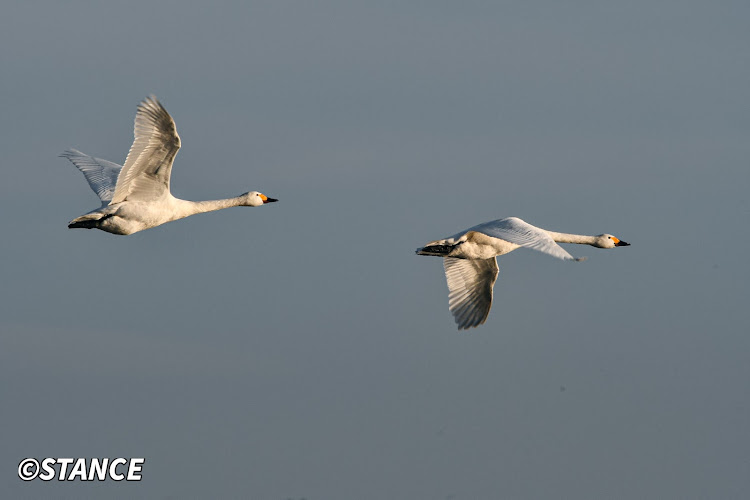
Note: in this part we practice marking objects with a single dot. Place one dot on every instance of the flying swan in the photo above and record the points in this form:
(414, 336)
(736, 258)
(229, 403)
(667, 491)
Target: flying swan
(136, 196)
(471, 268)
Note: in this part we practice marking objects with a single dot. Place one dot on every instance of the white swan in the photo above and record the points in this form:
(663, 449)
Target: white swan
(136, 196)
(471, 268)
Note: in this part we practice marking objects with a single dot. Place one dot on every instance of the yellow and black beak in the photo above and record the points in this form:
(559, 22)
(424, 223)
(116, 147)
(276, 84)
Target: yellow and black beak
(266, 199)
(620, 243)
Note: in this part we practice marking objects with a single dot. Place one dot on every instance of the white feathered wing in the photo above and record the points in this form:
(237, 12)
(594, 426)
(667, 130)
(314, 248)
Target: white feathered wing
(100, 174)
(470, 284)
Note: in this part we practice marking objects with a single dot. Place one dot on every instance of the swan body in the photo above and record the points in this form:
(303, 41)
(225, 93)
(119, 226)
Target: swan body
(136, 196)
(469, 260)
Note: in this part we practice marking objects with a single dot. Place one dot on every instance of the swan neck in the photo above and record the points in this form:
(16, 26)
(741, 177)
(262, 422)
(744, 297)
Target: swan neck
(199, 207)
(573, 238)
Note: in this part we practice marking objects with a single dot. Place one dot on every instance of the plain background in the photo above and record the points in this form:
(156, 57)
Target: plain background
(302, 350)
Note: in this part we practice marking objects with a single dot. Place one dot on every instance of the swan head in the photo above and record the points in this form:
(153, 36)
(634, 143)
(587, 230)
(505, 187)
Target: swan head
(256, 199)
(609, 241)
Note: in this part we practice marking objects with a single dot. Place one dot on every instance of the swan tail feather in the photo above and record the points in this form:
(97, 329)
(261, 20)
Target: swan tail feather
(83, 224)
(436, 250)
(88, 221)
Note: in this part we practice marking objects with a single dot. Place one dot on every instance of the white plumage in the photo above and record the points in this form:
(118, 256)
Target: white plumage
(469, 259)
(470, 285)
(100, 174)
(136, 196)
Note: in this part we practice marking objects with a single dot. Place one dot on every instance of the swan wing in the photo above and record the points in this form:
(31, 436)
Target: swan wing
(470, 283)
(522, 233)
(145, 175)
(100, 174)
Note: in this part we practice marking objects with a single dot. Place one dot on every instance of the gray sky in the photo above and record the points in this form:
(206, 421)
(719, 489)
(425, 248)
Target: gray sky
(302, 350)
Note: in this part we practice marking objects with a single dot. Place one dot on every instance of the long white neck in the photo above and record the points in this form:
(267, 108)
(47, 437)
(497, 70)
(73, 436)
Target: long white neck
(573, 238)
(186, 208)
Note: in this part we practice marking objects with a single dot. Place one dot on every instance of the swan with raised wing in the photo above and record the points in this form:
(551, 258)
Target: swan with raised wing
(136, 196)
(471, 268)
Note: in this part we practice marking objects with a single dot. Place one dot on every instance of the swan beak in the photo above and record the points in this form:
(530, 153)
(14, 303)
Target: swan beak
(266, 199)
(621, 243)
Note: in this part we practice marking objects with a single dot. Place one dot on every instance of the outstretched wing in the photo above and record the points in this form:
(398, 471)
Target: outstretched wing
(145, 175)
(100, 174)
(522, 233)
(470, 283)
